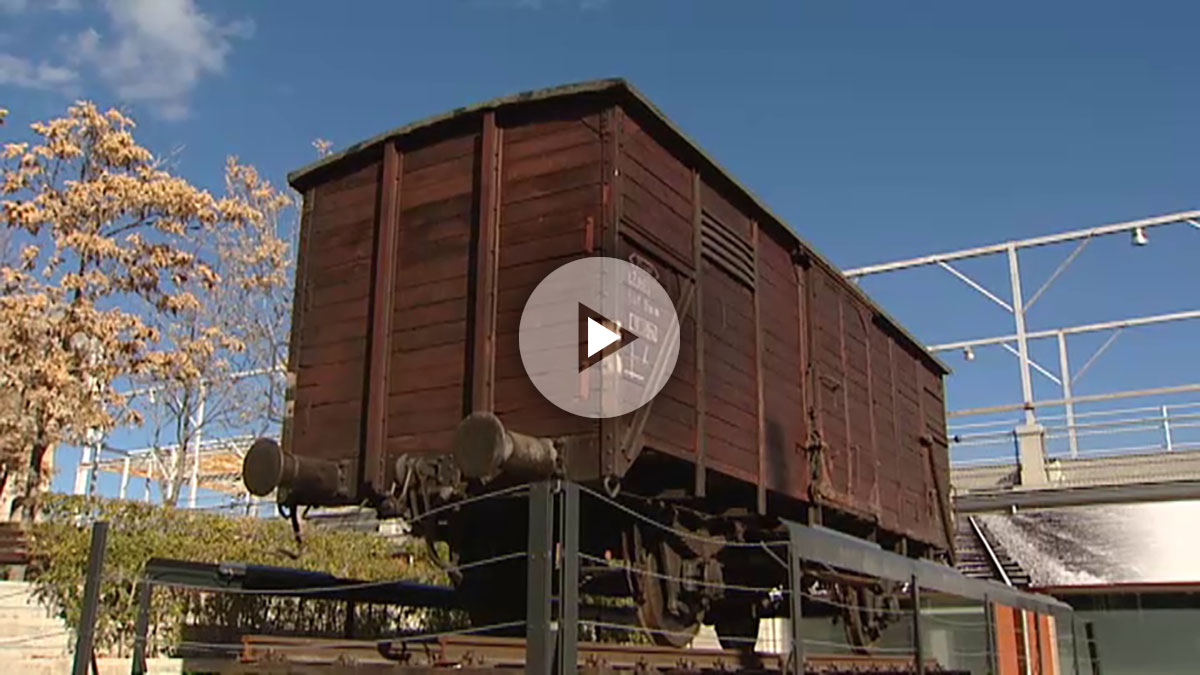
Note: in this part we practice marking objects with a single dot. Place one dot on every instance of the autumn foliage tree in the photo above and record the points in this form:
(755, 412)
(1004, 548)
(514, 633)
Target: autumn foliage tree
(113, 254)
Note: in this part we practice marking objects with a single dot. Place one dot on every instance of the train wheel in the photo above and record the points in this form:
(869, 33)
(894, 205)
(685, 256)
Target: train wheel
(675, 625)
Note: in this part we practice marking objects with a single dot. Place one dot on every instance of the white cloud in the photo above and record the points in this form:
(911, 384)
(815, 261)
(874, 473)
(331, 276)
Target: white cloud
(20, 72)
(158, 50)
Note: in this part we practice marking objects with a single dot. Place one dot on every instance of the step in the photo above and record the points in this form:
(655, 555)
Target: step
(107, 666)
(24, 627)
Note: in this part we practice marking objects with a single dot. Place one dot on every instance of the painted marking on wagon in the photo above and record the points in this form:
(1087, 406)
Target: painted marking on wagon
(599, 337)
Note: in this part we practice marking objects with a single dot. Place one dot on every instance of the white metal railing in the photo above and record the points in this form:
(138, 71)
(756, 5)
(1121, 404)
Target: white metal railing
(1168, 427)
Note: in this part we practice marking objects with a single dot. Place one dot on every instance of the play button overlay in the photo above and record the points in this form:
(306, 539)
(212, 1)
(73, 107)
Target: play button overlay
(599, 337)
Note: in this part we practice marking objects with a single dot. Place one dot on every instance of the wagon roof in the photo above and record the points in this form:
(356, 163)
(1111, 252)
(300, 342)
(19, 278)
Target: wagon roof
(619, 87)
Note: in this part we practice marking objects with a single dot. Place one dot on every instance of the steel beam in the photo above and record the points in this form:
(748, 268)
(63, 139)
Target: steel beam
(1044, 240)
(914, 596)
(796, 585)
(568, 579)
(1048, 497)
(539, 630)
(818, 544)
(90, 613)
(1070, 330)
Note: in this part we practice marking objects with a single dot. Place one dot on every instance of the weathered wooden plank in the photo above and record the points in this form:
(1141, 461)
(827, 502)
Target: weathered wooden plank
(411, 294)
(548, 163)
(568, 138)
(545, 185)
(551, 204)
(651, 186)
(431, 335)
(440, 152)
(353, 349)
(644, 150)
(720, 207)
(443, 311)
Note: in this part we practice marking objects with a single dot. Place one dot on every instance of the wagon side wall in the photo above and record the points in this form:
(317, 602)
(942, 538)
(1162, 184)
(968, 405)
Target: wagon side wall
(790, 380)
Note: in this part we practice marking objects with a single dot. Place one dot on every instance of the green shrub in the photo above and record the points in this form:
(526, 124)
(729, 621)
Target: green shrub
(139, 532)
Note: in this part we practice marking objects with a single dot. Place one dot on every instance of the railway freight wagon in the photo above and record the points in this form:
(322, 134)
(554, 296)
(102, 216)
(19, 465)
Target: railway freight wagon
(794, 395)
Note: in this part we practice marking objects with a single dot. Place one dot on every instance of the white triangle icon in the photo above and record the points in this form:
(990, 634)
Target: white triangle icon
(599, 337)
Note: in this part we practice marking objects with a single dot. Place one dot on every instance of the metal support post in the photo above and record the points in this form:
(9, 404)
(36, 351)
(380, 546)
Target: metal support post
(914, 593)
(539, 631)
(1089, 630)
(1167, 429)
(197, 426)
(141, 626)
(1064, 374)
(91, 599)
(568, 585)
(1074, 645)
(1014, 271)
(989, 624)
(348, 623)
(125, 467)
(83, 473)
(795, 580)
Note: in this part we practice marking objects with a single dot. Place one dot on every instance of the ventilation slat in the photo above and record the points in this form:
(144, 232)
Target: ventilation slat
(726, 250)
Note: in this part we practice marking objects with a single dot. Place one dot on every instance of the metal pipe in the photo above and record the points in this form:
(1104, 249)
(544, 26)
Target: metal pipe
(976, 285)
(1166, 422)
(1043, 240)
(1136, 393)
(1070, 330)
(1064, 374)
(193, 443)
(1014, 271)
(124, 477)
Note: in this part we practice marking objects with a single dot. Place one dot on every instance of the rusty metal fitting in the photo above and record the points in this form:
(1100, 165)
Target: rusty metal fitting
(300, 480)
(484, 449)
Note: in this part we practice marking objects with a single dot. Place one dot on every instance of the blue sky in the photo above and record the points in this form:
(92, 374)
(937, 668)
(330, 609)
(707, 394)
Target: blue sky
(880, 130)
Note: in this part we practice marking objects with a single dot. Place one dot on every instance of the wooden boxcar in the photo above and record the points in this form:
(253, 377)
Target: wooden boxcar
(794, 394)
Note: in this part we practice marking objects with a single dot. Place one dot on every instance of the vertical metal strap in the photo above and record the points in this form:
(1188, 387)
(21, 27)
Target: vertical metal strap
(141, 626)
(539, 638)
(701, 403)
(796, 579)
(387, 238)
(486, 271)
(914, 593)
(760, 445)
(568, 586)
(91, 599)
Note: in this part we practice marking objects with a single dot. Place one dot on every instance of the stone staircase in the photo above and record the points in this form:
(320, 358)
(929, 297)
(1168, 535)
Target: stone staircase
(28, 633)
(32, 642)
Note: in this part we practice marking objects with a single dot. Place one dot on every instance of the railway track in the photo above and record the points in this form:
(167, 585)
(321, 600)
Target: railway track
(301, 656)
(982, 556)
